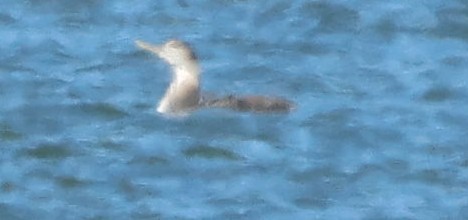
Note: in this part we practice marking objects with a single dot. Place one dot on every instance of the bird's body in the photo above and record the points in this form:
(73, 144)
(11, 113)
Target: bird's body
(183, 94)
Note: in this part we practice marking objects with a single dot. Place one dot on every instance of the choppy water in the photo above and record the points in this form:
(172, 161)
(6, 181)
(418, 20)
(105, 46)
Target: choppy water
(380, 131)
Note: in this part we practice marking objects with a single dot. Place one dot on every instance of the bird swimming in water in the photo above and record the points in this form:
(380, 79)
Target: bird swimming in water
(183, 94)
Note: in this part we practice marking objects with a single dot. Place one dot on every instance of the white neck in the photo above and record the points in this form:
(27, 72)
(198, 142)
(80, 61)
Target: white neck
(183, 93)
(187, 73)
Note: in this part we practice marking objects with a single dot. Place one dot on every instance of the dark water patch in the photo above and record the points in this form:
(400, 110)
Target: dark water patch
(333, 118)
(111, 145)
(149, 121)
(149, 160)
(247, 207)
(233, 2)
(70, 15)
(34, 118)
(229, 40)
(99, 217)
(311, 48)
(223, 202)
(134, 192)
(332, 17)
(368, 170)
(208, 152)
(57, 55)
(142, 106)
(380, 213)
(62, 56)
(73, 95)
(47, 52)
(276, 9)
(135, 57)
(165, 19)
(269, 11)
(8, 134)
(76, 21)
(312, 203)
(350, 90)
(8, 211)
(222, 124)
(100, 68)
(318, 174)
(377, 83)
(382, 134)
(270, 136)
(70, 182)
(64, 7)
(183, 3)
(387, 29)
(148, 215)
(438, 94)
(13, 66)
(454, 120)
(443, 151)
(310, 83)
(49, 151)
(431, 76)
(142, 57)
(464, 163)
(455, 61)
(127, 186)
(103, 110)
(442, 177)
(6, 187)
(452, 23)
(258, 46)
(255, 205)
(320, 185)
(216, 121)
(397, 166)
(256, 72)
(40, 47)
(6, 19)
(345, 125)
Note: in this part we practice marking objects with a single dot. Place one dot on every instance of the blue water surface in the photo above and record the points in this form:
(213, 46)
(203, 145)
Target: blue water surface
(379, 131)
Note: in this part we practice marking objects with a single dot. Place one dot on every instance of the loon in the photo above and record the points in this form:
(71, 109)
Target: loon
(183, 95)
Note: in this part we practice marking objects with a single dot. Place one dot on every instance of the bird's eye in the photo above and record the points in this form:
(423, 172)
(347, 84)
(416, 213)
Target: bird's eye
(192, 55)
